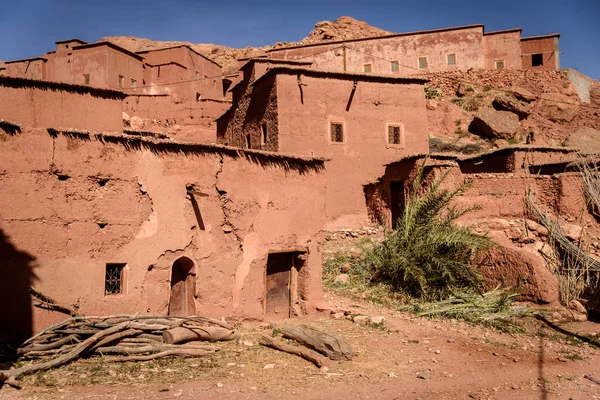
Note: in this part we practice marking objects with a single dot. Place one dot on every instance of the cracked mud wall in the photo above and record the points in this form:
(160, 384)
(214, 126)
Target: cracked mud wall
(76, 204)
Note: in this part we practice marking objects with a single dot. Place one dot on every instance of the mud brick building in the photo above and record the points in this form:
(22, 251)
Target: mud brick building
(361, 122)
(456, 48)
(118, 221)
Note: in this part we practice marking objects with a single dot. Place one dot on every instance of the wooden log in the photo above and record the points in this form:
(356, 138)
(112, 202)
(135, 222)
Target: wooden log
(181, 334)
(307, 354)
(122, 349)
(166, 353)
(49, 346)
(115, 337)
(45, 353)
(150, 336)
(332, 347)
(9, 376)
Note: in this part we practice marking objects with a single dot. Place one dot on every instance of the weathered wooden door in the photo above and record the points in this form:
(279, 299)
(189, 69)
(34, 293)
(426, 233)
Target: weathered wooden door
(279, 267)
(181, 300)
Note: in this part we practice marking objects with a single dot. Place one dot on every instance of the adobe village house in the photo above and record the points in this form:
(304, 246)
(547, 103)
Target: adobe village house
(225, 214)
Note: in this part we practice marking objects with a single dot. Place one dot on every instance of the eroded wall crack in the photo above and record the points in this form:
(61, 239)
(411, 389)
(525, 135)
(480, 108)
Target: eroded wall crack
(228, 226)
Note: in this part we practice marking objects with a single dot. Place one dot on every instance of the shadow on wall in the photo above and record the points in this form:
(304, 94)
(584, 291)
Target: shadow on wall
(16, 276)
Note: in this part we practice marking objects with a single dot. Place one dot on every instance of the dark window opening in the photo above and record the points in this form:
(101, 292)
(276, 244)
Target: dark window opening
(394, 134)
(537, 60)
(121, 81)
(263, 129)
(394, 66)
(226, 85)
(248, 142)
(367, 68)
(133, 83)
(337, 132)
(86, 79)
(113, 282)
(198, 96)
(451, 59)
(398, 201)
(499, 64)
(422, 62)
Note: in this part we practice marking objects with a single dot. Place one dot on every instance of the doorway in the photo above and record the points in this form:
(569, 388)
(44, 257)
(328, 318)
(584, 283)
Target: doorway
(280, 285)
(397, 201)
(183, 287)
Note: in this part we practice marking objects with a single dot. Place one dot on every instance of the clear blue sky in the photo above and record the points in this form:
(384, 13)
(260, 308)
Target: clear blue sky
(31, 27)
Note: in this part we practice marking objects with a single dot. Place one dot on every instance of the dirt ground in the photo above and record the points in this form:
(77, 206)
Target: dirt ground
(409, 358)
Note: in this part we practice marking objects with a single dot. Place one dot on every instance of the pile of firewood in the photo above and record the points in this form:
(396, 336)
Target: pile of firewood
(117, 339)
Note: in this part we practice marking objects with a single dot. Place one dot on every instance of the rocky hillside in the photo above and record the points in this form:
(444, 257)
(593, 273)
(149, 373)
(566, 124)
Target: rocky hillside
(477, 110)
(341, 28)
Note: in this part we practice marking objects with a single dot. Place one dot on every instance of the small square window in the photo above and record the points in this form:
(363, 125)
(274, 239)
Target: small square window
(367, 68)
(86, 79)
(422, 62)
(394, 134)
(121, 81)
(451, 59)
(394, 66)
(537, 60)
(263, 131)
(336, 132)
(113, 281)
(133, 83)
(499, 64)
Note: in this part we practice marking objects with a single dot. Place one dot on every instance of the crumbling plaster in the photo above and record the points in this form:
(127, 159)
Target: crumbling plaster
(53, 205)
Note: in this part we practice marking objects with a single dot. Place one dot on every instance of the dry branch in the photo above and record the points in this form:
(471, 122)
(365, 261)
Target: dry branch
(10, 376)
(78, 337)
(115, 337)
(330, 346)
(49, 346)
(146, 349)
(166, 353)
(49, 303)
(573, 252)
(307, 354)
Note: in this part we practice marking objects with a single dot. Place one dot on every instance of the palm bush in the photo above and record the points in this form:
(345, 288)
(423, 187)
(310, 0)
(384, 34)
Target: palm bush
(428, 255)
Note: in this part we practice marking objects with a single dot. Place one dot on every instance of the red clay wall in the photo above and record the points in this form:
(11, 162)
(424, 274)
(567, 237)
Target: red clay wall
(38, 104)
(73, 203)
(196, 74)
(103, 64)
(466, 44)
(34, 69)
(190, 121)
(548, 47)
(304, 129)
(502, 46)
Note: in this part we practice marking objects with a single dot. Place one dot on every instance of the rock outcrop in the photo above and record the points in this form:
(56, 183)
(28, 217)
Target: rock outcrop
(496, 124)
(586, 140)
(558, 107)
(506, 103)
(515, 267)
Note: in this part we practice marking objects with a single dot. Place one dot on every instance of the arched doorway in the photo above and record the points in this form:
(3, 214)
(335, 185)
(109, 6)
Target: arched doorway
(183, 287)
